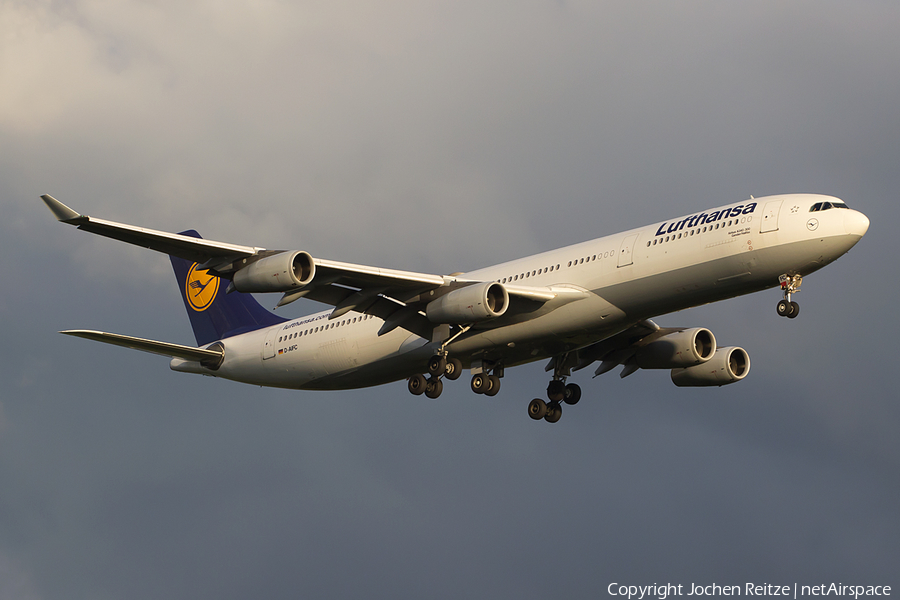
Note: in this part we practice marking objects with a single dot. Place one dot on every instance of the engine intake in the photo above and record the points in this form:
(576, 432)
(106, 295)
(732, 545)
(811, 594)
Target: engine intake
(726, 366)
(278, 273)
(681, 349)
(470, 304)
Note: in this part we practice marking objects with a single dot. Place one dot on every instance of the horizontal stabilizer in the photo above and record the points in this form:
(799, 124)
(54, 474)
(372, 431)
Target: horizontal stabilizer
(202, 355)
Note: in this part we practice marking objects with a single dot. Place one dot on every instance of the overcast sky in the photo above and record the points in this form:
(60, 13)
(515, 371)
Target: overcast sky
(438, 137)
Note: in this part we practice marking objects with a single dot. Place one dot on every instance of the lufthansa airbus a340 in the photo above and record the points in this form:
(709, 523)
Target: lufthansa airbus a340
(583, 304)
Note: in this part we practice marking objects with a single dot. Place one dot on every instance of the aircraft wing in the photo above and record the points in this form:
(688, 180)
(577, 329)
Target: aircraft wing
(618, 349)
(182, 246)
(398, 297)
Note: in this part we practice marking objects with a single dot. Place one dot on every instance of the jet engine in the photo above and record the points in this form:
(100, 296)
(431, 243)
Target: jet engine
(470, 304)
(726, 366)
(278, 273)
(681, 349)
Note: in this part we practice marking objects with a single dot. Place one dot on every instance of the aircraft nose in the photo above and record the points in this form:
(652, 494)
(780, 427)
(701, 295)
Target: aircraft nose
(855, 223)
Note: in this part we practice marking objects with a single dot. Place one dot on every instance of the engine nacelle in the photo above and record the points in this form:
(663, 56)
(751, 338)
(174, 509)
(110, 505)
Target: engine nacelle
(470, 304)
(726, 366)
(681, 349)
(278, 273)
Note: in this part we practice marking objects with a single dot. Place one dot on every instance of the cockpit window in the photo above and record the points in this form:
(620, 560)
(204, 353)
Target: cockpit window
(826, 205)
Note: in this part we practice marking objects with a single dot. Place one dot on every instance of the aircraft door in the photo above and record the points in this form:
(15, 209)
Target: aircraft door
(626, 251)
(268, 350)
(770, 216)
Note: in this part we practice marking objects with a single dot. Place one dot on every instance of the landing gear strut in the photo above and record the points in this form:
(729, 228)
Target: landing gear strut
(558, 391)
(790, 284)
(438, 367)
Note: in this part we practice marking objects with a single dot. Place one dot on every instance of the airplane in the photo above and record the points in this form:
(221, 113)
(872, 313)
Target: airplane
(587, 303)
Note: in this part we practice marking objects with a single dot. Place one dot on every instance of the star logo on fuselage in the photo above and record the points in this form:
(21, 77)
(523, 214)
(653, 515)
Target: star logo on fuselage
(200, 288)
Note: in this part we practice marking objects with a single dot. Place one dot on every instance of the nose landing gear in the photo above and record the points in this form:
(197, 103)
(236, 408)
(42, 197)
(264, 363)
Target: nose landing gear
(790, 284)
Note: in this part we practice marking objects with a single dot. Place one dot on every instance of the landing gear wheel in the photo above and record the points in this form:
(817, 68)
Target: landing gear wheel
(495, 386)
(783, 308)
(556, 391)
(434, 387)
(453, 369)
(790, 284)
(554, 412)
(436, 365)
(537, 409)
(480, 383)
(417, 384)
(572, 394)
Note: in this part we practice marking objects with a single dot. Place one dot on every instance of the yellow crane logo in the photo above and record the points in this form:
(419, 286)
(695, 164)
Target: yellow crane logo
(200, 288)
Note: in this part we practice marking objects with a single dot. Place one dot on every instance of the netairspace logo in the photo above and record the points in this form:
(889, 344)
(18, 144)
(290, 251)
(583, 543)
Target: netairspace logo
(795, 591)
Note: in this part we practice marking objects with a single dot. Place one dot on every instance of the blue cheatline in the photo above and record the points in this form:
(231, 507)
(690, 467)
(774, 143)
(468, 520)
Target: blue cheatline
(214, 314)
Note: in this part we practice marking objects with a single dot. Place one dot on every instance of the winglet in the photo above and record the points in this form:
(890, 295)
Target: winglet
(60, 210)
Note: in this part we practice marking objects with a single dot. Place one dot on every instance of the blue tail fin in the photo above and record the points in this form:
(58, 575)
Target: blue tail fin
(214, 314)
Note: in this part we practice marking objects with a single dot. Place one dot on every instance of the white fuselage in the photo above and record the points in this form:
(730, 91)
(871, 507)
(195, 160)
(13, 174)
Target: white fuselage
(624, 278)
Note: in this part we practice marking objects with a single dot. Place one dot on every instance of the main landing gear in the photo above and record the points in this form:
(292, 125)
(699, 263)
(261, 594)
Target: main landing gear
(557, 392)
(790, 284)
(487, 381)
(438, 367)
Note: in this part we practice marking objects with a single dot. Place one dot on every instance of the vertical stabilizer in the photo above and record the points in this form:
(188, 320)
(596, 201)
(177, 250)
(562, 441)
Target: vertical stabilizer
(214, 314)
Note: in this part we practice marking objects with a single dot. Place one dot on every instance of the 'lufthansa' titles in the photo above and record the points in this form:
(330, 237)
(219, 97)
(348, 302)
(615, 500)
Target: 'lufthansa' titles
(704, 218)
